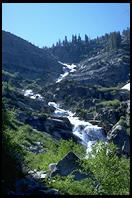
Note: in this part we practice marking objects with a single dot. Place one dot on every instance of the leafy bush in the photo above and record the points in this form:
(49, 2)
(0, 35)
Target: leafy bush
(68, 186)
(54, 154)
(111, 174)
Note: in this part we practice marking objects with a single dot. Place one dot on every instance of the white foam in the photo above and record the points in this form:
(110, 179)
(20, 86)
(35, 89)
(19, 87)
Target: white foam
(29, 93)
(66, 69)
(127, 86)
(88, 133)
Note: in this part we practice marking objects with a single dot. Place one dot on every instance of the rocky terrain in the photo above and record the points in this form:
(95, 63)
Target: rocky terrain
(28, 61)
(92, 92)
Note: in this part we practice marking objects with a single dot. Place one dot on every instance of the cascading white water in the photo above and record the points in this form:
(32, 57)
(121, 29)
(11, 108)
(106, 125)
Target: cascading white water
(66, 69)
(88, 133)
(29, 93)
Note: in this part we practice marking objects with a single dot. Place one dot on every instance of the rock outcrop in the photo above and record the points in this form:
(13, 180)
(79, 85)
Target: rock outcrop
(68, 165)
(29, 186)
(58, 128)
(119, 136)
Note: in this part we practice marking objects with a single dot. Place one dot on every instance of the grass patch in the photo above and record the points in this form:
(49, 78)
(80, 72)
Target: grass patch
(54, 153)
(105, 89)
(9, 74)
(128, 131)
(110, 104)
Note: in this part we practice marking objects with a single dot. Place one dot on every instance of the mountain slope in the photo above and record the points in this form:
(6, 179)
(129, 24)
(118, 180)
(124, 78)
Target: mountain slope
(28, 60)
(105, 69)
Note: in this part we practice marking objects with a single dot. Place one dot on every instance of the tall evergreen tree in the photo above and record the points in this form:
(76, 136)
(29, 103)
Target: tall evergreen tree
(86, 38)
(79, 38)
(114, 40)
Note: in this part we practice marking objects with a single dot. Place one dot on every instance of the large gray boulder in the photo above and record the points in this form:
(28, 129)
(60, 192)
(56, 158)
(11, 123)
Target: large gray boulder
(57, 127)
(68, 165)
(119, 136)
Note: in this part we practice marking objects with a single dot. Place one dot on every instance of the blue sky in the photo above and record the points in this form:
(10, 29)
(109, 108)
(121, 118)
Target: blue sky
(45, 23)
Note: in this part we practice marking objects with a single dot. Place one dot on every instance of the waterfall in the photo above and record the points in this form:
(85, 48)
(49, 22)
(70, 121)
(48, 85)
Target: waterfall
(88, 133)
(66, 69)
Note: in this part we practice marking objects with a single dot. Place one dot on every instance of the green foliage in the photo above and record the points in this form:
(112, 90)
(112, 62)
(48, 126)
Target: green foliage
(92, 109)
(111, 174)
(68, 186)
(114, 40)
(69, 100)
(128, 131)
(8, 74)
(80, 111)
(12, 152)
(122, 121)
(44, 115)
(110, 103)
(54, 154)
(8, 87)
(105, 89)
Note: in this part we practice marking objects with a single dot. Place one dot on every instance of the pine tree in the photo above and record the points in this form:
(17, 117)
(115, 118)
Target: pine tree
(86, 39)
(79, 38)
(114, 40)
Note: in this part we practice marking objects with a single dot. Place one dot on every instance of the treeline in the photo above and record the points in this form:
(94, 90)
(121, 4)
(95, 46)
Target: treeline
(114, 39)
(77, 48)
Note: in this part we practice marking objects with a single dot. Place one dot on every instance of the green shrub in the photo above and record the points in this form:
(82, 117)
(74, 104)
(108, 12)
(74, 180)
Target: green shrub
(54, 154)
(128, 131)
(106, 89)
(110, 103)
(68, 186)
(122, 122)
(111, 174)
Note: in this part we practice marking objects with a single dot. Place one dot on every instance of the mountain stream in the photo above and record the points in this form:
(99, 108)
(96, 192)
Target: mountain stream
(89, 134)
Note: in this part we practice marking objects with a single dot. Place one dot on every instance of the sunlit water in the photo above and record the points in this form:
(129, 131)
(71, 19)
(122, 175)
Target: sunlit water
(29, 93)
(66, 69)
(127, 86)
(88, 133)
